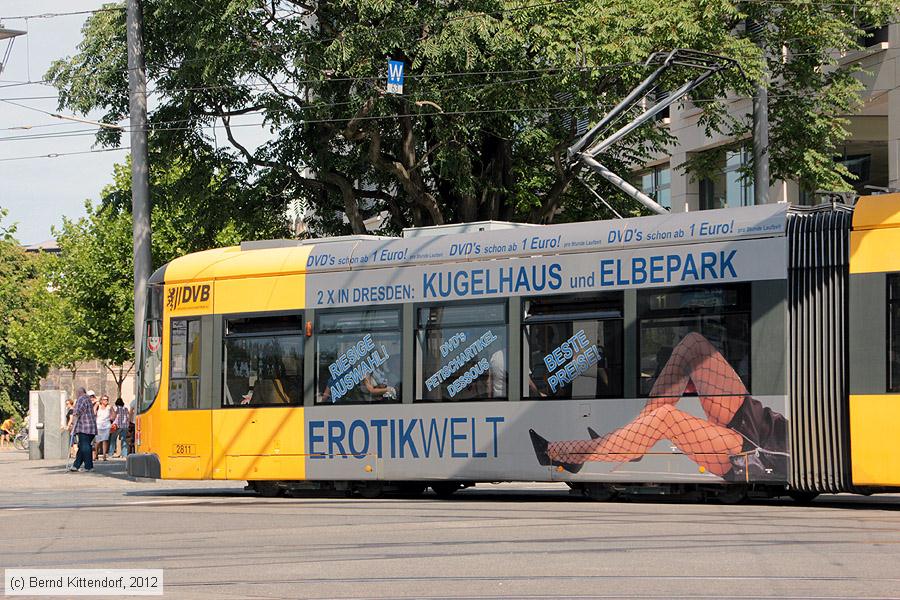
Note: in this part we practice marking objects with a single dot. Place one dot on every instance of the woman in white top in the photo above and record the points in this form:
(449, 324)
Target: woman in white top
(103, 426)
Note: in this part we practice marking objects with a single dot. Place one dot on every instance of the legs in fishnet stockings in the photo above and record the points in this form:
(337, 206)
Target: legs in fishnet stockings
(694, 359)
(708, 443)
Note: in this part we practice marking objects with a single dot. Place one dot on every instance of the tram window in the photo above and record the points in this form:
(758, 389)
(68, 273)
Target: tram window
(461, 352)
(684, 326)
(150, 374)
(894, 333)
(358, 356)
(263, 361)
(184, 379)
(572, 347)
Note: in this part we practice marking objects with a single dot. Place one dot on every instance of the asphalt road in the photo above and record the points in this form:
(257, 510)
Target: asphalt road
(514, 540)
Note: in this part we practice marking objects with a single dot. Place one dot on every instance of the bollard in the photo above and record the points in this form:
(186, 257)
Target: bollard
(46, 438)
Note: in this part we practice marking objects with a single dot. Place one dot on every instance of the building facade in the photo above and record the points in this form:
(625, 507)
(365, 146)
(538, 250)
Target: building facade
(871, 152)
(93, 375)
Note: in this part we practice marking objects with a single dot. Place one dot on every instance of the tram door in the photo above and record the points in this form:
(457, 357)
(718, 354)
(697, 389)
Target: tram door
(257, 428)
(187, 437)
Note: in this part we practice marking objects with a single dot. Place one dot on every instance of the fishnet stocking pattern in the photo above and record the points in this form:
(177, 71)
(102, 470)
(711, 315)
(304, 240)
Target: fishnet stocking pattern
(695, 360)
(708, 442)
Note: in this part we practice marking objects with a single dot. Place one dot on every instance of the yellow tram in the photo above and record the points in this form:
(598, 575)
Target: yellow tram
(740, 351)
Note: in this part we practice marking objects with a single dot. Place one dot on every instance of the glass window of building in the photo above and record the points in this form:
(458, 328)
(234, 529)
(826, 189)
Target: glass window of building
(358, 356)
(263, 359)
(656, 183)
(572, 347)
(184, 364)
(731, 185)
(694, 339)
(894, 333)
(867, 162)
(462, 352)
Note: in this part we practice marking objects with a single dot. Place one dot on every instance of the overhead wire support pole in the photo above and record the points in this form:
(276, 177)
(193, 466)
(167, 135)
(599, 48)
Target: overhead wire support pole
(760, 126)
(140, 184)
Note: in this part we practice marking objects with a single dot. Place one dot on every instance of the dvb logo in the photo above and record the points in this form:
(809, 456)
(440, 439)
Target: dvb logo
(188, 296)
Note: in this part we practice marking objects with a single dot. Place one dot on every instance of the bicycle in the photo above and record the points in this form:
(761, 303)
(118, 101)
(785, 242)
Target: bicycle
(20, 441)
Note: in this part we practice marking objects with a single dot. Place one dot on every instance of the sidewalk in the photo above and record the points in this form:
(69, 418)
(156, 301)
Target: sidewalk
(22, 475)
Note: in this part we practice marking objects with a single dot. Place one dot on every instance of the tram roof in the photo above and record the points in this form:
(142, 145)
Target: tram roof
(281, 257)
(876, 212)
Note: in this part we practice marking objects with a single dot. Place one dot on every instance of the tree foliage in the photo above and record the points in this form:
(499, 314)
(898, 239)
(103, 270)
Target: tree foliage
(52, 334)
(19, 282)
(493, 94)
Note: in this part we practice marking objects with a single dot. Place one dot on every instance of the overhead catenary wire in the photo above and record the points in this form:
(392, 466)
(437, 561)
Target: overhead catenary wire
(451, 19)
(157, 126)
(541, 70)
(409, 77)
(382, 30)
(53, 15)
(58, 154)
(412, 77)
(381, 77)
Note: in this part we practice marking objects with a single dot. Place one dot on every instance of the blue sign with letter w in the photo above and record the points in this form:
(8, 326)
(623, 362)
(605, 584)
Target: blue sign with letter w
(395, 77)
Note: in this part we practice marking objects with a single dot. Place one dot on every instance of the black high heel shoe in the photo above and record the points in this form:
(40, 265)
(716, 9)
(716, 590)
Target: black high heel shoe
(540, 451)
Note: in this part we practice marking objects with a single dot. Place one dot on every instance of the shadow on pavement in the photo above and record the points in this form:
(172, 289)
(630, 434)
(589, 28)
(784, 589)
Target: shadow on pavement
(114, 467)
(508, 495)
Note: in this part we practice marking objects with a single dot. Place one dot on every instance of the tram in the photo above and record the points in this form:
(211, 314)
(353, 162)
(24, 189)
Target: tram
(753, 350)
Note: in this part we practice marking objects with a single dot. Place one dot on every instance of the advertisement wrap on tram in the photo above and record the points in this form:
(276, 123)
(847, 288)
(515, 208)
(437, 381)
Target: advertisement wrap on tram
(693, 419)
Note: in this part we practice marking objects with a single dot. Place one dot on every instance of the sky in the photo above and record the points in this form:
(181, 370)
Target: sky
(37, 192)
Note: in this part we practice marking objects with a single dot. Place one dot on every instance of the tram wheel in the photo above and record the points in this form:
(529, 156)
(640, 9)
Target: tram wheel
(370, 491)
(731, 495)
(801, 497)
(412, 490)
(445, 489)
(600, 492)
(267, 489)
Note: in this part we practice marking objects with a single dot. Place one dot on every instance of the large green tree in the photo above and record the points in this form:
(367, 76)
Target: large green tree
(493, 93)
(52, 335)
(20, 370)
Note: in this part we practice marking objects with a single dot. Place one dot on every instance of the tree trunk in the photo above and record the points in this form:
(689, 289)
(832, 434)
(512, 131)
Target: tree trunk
(73, 370)
(351, 202)
(119, 381)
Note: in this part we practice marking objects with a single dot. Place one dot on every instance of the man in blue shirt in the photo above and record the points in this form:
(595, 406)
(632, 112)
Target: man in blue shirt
(83, 423)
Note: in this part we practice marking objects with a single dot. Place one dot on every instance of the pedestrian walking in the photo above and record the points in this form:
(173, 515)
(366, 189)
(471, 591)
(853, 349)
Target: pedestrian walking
(83, 423)
(119, 431)
(73, 447)
(129, 439)
(104, 426)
